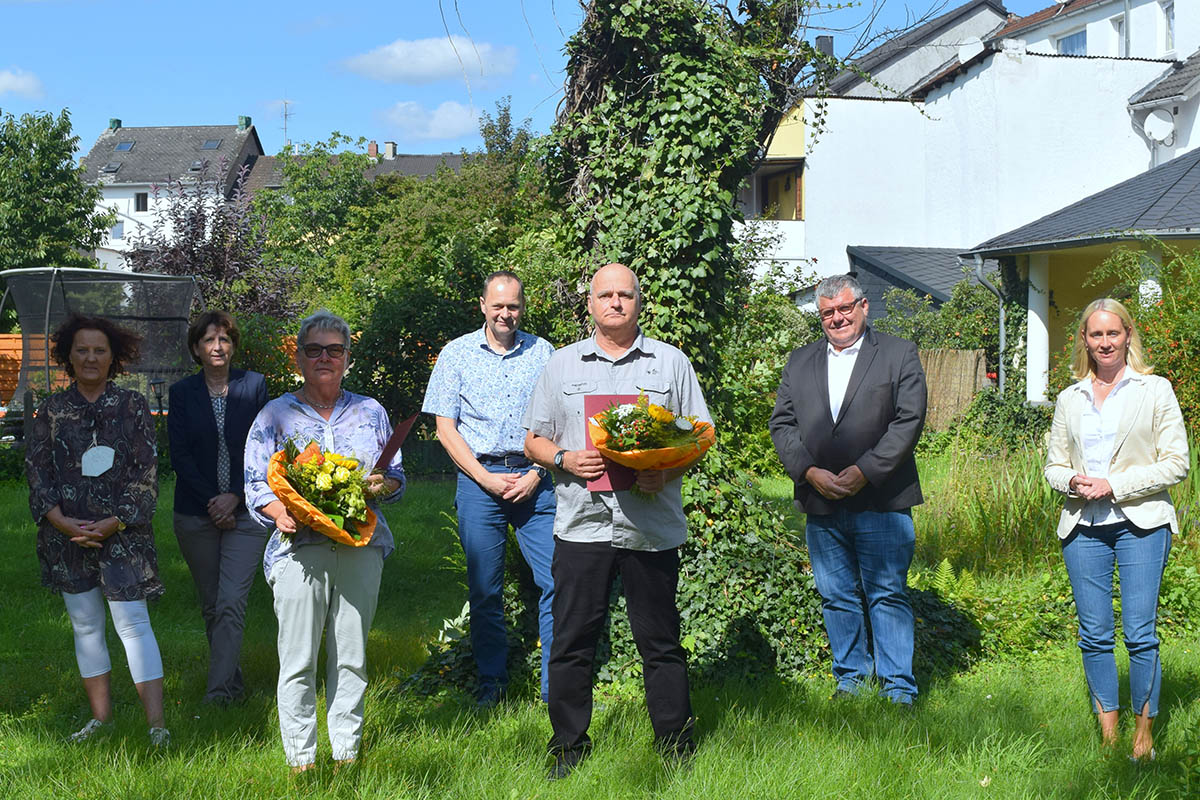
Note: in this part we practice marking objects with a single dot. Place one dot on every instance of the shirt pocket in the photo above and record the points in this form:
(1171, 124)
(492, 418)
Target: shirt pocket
(658, 391)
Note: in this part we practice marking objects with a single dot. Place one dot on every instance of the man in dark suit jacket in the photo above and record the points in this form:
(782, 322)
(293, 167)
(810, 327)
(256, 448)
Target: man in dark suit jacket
(848, 414)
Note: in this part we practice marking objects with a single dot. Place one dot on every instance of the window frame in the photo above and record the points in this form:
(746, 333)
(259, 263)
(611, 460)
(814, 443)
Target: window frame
(1058, 42)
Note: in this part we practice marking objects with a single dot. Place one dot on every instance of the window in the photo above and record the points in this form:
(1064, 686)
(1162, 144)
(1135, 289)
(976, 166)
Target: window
(117, 231)
(111, 167)
(123, 147)
(141, 201)
(1168, 9)
(211, 144)
(1073, 45)
(1118, 24)
(196, 166)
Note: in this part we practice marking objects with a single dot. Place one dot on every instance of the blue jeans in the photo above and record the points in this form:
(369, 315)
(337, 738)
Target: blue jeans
(1089, 553)
(857, 556)
(483, 521)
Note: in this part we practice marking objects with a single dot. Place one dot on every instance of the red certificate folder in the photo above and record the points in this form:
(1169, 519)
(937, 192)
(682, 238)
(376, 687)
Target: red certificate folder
(616, 477)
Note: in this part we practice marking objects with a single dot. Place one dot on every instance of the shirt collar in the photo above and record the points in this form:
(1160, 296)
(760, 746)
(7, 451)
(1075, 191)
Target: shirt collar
(482, 342)
(590, 348)
(1085, 385)
(852, 350)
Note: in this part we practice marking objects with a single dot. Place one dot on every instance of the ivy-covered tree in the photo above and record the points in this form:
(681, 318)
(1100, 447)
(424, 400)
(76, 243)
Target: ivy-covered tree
(669, 106)
(48, 215)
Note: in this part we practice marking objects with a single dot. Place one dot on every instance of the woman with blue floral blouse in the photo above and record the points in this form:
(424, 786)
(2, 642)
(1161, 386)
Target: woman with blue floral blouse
(320, 585)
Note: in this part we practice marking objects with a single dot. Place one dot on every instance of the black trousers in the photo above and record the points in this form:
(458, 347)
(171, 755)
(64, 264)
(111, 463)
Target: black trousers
(583, 577)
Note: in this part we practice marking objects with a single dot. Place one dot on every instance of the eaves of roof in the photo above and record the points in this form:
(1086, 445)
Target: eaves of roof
(1108, 237)
(1178, 83)
(1038, 18)
(894, 48)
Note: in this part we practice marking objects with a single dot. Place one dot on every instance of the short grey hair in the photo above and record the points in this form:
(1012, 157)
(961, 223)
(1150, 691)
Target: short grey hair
(637, 284)
(834, 285)
(323, 320)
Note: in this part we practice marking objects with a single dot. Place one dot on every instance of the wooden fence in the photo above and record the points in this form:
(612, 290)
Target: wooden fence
(954, 377)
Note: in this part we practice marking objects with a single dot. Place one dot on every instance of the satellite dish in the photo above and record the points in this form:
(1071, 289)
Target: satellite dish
(970, 48)
(1159, 125)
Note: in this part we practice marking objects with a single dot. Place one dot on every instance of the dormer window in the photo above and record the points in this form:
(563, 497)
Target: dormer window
(196, 166)
(211, 144)
(123, 147)
(111, 167)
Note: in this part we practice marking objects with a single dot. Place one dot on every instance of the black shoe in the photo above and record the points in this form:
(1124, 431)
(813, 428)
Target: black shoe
(489, 697)
(565, 762)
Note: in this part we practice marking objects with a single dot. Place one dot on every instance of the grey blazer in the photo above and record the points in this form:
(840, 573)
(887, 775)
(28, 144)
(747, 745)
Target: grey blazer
(878, 427)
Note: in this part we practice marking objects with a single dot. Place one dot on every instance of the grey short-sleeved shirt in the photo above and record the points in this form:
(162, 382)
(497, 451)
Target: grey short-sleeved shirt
(556, 412)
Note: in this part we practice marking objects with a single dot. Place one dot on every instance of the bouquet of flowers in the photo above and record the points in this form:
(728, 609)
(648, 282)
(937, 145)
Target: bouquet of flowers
(323, 491)
(644, 435)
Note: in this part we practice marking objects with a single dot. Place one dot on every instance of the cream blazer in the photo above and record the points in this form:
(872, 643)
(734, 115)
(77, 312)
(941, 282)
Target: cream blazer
(1150, 453)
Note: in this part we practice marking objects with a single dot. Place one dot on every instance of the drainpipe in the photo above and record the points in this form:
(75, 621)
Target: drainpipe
(1125, 28)
(984, 282)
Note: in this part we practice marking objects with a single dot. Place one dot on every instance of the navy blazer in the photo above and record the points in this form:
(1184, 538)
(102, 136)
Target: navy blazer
(877, 428)
(192, 430)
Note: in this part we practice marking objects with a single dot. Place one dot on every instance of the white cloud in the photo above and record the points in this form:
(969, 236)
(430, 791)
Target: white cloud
(19, 82)
(450, 120)
(428, 60)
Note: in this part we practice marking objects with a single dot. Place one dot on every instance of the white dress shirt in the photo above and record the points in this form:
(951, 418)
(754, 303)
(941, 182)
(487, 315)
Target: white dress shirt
(841, 364)
(1098, 433)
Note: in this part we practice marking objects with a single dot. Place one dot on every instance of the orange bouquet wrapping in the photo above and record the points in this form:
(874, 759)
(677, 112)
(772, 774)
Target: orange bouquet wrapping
(644, 435)
(331, 480)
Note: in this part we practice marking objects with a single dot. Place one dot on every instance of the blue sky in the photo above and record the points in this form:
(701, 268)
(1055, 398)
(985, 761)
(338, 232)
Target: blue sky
(415, 72)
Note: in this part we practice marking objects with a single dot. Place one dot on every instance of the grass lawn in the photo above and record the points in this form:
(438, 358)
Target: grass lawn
(1006, 729)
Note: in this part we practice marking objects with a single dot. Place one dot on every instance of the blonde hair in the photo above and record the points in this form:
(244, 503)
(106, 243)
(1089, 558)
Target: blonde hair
(1082, 364)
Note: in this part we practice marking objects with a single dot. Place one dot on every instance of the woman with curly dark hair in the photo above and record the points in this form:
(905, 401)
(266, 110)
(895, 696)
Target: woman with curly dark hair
(93, 485)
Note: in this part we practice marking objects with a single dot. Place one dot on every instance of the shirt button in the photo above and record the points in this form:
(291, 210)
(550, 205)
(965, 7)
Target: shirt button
(333, 548)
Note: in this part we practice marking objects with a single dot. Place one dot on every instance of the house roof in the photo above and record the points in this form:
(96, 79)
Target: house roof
(162, 154)
(266, 172)
(421, 166)
(929, 270)
(899, 45)
(1022, 24)
(1163, 202)
(1179, 79)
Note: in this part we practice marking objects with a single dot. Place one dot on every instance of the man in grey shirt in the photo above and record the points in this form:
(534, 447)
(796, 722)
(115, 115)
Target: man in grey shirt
(604, 533)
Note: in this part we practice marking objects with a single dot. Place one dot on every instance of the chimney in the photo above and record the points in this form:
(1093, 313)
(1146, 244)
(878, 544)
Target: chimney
(114, 124)
(243, 123)
(373, 149)
(389, 151)
(825, 45)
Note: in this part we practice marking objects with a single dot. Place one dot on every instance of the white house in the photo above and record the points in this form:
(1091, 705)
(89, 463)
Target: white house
(128, 164)
(1004, 131)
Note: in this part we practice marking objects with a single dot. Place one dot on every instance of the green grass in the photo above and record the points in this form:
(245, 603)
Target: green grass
(1020, 726)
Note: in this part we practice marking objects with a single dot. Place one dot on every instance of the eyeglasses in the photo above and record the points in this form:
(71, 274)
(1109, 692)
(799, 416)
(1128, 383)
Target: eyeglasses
(315, 350)
(827, 313)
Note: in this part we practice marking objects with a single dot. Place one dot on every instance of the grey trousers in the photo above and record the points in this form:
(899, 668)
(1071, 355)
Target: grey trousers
(223, 564)
(330, 588)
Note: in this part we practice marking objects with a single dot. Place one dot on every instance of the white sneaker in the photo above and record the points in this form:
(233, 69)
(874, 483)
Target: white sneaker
(93, 727)
(160, 737)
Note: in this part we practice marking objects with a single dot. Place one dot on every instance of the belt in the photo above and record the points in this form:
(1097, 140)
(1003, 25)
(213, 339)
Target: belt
(510, 460)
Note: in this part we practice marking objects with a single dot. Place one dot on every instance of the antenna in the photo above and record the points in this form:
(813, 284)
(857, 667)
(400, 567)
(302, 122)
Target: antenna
(287, 114)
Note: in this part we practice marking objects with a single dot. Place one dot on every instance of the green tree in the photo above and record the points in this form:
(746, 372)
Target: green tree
(48, 215)
(669, 106)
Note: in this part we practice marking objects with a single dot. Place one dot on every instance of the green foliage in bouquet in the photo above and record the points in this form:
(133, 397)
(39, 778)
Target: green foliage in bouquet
(646, 426)
(332, 482)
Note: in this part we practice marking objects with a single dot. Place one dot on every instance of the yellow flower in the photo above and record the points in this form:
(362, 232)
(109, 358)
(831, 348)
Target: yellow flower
(324, 482)
(660, 414)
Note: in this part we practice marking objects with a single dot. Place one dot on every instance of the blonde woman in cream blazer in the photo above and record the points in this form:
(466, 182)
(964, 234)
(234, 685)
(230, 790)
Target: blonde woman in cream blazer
(1117, 444)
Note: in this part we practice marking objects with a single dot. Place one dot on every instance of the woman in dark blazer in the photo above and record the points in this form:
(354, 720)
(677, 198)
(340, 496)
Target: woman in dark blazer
(210, 416)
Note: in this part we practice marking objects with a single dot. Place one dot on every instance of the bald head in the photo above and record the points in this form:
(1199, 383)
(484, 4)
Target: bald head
(614, 302)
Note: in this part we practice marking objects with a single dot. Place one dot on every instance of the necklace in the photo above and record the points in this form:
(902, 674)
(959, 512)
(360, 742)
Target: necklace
(224, 390)
(309, 400)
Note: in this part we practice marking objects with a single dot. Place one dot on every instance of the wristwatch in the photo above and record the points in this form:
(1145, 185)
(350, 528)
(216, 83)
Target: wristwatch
(558, 459)
(120, 525)
(541, 471)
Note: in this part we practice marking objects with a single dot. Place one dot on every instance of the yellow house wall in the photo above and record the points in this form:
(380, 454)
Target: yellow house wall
(789, 136)
(1070, 270)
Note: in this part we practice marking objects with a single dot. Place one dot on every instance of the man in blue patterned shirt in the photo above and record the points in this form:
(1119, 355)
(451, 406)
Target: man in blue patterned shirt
(478, 392)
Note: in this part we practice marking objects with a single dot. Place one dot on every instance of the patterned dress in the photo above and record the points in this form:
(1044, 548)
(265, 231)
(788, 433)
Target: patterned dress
(125, 567)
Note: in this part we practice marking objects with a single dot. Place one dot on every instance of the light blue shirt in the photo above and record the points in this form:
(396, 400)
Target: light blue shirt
(486, 392)
(358, 427)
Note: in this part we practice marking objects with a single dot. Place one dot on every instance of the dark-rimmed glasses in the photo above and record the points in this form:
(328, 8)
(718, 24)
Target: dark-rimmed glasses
(315, 350)
(827, 313)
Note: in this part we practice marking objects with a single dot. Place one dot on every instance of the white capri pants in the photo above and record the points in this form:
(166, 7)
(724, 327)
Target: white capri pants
(330, 588)
(132, 621)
